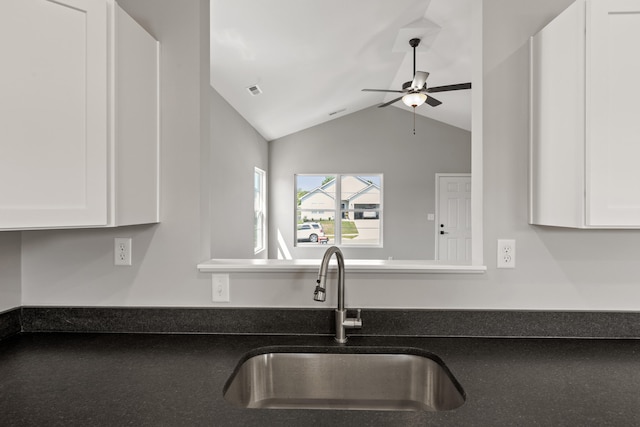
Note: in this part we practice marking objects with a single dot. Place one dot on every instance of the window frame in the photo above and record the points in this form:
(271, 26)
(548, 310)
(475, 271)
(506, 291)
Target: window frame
(259, 210)
(339, 208)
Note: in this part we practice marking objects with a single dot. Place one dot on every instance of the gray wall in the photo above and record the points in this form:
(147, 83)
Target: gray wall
(371, 141)
(556, 268)
(236, 148)
(10, 286)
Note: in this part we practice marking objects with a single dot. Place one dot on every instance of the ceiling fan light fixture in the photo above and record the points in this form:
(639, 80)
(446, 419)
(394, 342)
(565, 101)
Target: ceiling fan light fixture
(414, 99)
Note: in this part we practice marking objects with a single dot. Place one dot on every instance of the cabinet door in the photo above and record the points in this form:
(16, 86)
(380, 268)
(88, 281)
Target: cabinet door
(557, 121)
(136, 131)
(53, 111)
(613, 113)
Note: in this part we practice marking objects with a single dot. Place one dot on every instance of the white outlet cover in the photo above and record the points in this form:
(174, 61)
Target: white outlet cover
(122, 251)
(506, 256)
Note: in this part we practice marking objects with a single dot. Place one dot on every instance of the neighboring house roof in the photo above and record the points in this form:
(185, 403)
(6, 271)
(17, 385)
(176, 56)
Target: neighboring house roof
(365, 190)
(314, 192)
(323, 189)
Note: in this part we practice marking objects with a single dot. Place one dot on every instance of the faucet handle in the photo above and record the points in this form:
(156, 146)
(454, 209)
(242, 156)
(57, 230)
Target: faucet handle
(354, 323)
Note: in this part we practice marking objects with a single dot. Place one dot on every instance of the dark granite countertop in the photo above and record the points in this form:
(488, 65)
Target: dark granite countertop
(141, 379)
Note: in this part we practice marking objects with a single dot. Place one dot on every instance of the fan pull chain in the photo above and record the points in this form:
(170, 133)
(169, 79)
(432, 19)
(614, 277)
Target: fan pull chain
(414, 120)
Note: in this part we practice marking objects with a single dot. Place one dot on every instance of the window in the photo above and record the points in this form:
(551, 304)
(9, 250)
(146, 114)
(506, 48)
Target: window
(339, 209)
(260, 211)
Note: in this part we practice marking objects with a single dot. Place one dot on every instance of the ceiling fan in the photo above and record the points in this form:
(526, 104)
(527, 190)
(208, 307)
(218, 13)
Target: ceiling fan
(415, 92)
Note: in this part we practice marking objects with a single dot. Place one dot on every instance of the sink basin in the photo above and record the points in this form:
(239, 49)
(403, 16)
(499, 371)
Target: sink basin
(365, 378)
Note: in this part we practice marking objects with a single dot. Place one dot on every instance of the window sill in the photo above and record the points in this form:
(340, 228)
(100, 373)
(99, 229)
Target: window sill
(352, 265)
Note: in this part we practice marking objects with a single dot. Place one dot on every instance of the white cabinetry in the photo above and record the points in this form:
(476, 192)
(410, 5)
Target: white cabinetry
(585, 117)
(79, 116)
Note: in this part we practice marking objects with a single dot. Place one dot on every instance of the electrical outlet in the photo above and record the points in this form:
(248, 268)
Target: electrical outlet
(122, 251)
(506, 253)
(220, 287)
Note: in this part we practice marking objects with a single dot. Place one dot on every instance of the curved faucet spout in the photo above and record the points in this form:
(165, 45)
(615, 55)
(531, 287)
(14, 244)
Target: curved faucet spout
(322, 276)
(320, 294)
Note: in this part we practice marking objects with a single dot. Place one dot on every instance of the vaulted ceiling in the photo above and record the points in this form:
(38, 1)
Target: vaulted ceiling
(311, 59)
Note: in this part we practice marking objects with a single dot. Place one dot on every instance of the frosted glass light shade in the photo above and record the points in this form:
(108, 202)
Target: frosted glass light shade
(414, 99)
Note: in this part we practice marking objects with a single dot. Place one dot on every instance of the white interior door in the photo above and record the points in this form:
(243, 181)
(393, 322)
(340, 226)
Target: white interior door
(453, 222)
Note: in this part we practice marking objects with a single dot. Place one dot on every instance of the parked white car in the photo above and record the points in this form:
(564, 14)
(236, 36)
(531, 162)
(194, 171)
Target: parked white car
(311, 232)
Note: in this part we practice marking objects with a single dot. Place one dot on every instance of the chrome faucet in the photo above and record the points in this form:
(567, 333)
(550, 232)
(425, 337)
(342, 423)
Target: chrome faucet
(342, 321)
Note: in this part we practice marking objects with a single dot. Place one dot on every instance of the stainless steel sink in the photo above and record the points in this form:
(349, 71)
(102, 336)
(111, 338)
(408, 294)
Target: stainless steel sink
(365, 378)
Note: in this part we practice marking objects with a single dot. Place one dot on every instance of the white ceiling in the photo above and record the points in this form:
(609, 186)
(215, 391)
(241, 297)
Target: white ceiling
(311, 58)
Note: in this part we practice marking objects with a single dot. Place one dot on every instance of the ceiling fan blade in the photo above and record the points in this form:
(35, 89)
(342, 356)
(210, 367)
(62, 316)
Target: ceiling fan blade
(432, 101)
(389, 103)
(382, 90)
(419, 80)
(459, 86)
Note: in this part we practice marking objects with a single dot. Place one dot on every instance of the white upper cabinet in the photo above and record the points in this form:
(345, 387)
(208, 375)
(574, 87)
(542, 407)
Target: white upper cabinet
(585, 117)
(79, 116)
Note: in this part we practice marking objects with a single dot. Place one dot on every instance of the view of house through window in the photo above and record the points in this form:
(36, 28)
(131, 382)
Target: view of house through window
(339, 209)
(260, 210)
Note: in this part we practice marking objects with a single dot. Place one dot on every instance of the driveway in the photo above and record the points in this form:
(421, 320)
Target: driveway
(368, 231)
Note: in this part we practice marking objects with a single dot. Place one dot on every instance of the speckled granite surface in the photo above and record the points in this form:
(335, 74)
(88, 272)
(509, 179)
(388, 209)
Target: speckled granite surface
(10, 323)
(177, 380)
(320, 321)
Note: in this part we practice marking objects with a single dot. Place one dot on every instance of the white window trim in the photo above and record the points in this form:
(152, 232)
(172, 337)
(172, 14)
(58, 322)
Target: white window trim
(262, 208)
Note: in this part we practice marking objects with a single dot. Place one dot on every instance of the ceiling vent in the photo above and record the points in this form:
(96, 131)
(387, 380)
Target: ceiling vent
(254, 90)
(333, 113)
